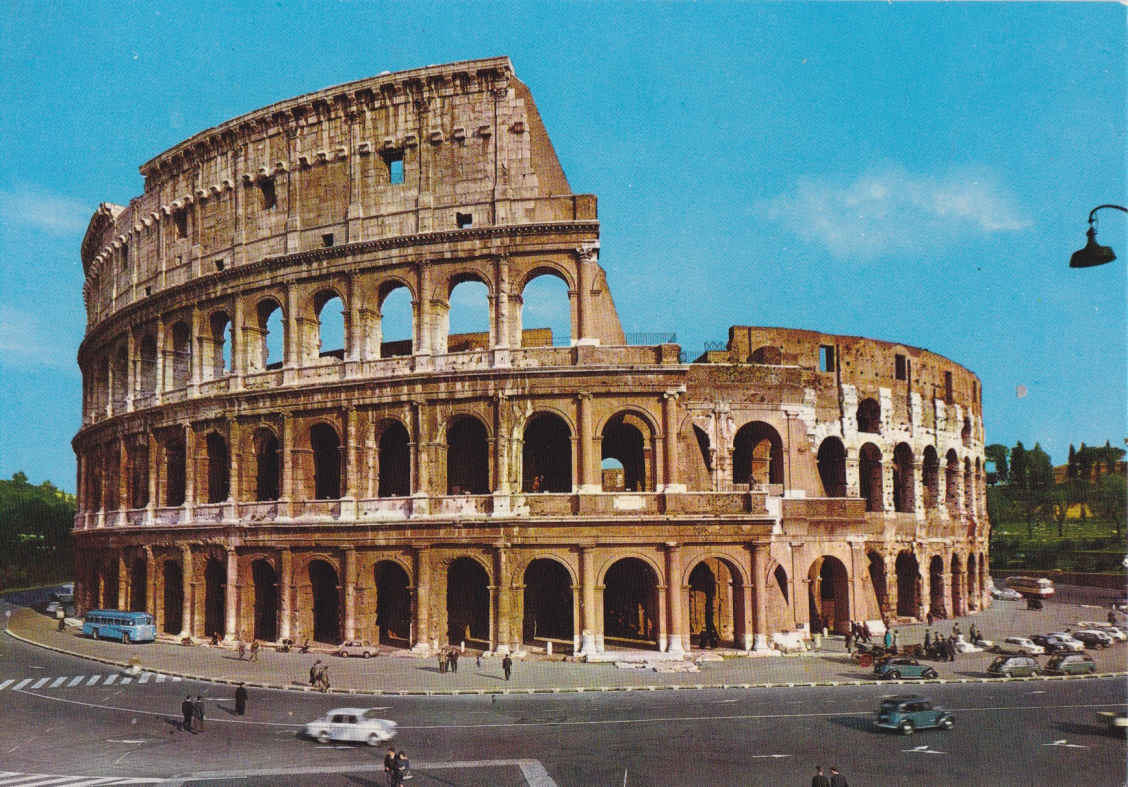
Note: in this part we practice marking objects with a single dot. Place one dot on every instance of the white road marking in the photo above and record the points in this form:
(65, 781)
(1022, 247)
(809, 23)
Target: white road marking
(126, 680)
(93, 679)
(58, 682)
(39, 683)
(767, 756)
(533, 771)
(109, 679)
(923, 750)
(145, 677)
(21, 684)
(161, 678)
(1062, 743)
(7, 683)
(75, 681)
(125, 740)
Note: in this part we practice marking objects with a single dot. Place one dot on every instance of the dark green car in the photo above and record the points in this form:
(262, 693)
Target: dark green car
(1071, 664)
(908, 713)
(902, 667)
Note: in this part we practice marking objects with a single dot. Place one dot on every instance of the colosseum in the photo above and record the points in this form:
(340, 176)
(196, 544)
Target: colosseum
(240, 476)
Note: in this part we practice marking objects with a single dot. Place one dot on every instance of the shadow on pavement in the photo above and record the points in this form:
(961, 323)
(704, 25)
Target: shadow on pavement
(863, 723)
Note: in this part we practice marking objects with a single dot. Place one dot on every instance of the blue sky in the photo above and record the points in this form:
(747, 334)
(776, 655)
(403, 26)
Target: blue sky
(911, 172)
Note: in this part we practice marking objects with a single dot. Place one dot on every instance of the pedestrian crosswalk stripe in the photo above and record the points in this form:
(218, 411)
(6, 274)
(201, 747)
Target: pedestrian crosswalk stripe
(145, 677)
(7, 683)
(58, 682)
(14, 779)
(21, 684)
(109, 679)
(76, 681)
(93, 679)
(39, 683)
(126, 680)
(85, 681)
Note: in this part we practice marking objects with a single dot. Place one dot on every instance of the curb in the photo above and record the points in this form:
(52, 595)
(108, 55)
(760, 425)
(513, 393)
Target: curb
(568, 689)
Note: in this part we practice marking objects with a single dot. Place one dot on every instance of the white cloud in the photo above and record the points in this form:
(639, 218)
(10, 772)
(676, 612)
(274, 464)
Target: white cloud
(892, 211)
(42, 210)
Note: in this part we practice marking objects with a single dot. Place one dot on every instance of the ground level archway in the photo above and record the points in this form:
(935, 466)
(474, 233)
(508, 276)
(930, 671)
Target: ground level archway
(908, 585)
(468, 604)
(393, 604)
(325, 589)
(265, 588)
(630, 603)
(173, 598)
(548, 607)
(829, 596)
(716, 605)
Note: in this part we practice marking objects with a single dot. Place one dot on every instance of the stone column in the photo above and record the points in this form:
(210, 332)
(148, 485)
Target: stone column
(159, 386)
(588, 482)
(231, 595)
(504, 605)
(130, 369)
(494, 640)
(422, 595)
(350, 593)
(853, 479)
(234, 490)
(186, 582)
(501, 303)
(759, 589)
(419, 456)
(153, 475)
(124, 585)
(286, 466)
(150, 582)
(292, 350)
(670, 427)
(285, 593)
(678, 637)
(354, 330)
(587, 583)
(501, 454)
(352, 444)
(189, 470)
(238, 346)
(195, 341)
(124, 500)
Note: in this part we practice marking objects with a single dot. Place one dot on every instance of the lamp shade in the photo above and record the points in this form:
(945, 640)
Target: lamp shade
(1093, 253)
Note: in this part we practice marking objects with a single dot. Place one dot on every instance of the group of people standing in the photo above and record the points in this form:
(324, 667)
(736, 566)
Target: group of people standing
(448, 659)
(397, 768)
(319, 676)
(835, 779)
(193, 713)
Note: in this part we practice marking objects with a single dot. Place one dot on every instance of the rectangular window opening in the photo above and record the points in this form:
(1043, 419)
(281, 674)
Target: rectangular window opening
(269, 198)
(220, 264)
(826, 358)
(947, 386)
(464, 220)
(327, 239)
(180, 218)
(900, 367)
(394, 160)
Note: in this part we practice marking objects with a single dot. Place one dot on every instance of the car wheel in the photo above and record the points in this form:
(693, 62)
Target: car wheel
(894, 675)
(930, 673)
(367, 655)
(946, 723)
(1008, 674)
(125, 638)
(323, 736)
(341, 654)
(374, 739)
(906, 728)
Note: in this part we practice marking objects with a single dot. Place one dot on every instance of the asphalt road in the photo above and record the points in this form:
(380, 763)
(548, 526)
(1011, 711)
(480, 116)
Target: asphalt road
(1006, 733)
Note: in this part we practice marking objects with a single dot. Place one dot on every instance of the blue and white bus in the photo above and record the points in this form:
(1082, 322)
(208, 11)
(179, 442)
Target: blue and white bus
(124, 626)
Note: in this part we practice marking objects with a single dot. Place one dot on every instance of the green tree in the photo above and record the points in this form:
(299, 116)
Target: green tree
(1110, 500)
(35, 525)
(1018, 466)
(997, 455)
(1071, 468)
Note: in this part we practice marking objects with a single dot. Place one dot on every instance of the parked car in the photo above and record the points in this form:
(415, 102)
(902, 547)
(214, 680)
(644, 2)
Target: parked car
(1014, 666)
(1006, 594)
(1071, 664)
(907, 713)
(1092, 638)
(1019, 646)
(357, 647)
(902, 667)
(351, 724)
(1115, 632)
(1056, 643)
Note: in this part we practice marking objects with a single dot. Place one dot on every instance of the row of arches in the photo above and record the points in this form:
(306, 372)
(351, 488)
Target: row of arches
(323, 329)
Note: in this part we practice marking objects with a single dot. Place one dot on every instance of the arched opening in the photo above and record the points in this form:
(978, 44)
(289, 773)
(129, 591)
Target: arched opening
(869, 477)
(908, 585)
(952, 483)
(545, 307)
(326, 462)
(957, 582)
(215, 579)
(110, 585)
(981, 565)
(869, 416)
(612, 476)
(266, 601)
(936, 587)
(766, 355)
(716, 605)
(267, 465)
(219, 468)
(326, 602)
(548, 603)
(139, 475)
(625, 439)
(829, 597)
(330, 311)
(175, 462)
(832, 467)
(968, 489)
(468, 319)
(219, 345)
(181, 355)
(877, 581)
(138, 585)
(112, 471)
(903, 479)
(468, 457)
(120, 379)
(930, 477)
(101, 386)
(393, 604)
(630, 603)
(148, 370)
(757, 455)
(272, 349)
(703, 445)
(965, 433)
(173, 581)
(546, 455)
(394, 461)
(468, 603)
(396, 325)
(780, 576)
(972, 583)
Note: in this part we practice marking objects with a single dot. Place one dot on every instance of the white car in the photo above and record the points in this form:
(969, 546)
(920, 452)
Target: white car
(351, 724)
(1022, 646)
(1006, 594)
(1115, 632)
(357, 647)
(1071, 642)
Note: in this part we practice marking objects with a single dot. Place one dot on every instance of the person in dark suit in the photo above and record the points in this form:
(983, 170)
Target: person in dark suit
(198, 712)
(836, 778)
(241, 699)
(819, 779)
(187, 711)
(507, 666)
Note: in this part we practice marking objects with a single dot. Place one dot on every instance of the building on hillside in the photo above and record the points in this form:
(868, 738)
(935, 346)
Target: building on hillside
(239, 477)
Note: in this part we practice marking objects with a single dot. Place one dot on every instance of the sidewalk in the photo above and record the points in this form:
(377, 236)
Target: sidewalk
(402, 673)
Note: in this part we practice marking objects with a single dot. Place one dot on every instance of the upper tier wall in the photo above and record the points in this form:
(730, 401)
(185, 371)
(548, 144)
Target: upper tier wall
(433, 149)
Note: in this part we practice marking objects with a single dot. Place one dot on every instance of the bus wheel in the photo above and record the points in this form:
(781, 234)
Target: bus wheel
(94, 633)
(125, 638)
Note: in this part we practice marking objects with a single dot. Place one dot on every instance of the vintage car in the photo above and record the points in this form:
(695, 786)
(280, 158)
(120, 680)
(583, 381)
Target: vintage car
(357, 647)
(1005, 594)
(899, 667)
(1058, 643)
(1019, 646)
(1092, 638)
(351, 724)
(907, 713)
(1014, 666)
(1071, 664)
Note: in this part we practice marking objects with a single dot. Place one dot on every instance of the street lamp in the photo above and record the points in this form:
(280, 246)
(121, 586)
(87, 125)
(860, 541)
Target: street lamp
(1093, 253)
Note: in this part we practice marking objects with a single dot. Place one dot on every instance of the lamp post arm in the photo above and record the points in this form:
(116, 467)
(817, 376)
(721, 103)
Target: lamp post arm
(1093, 212)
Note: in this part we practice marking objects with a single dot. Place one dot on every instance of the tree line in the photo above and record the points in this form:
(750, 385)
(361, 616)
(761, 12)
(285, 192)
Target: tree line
(35, 532)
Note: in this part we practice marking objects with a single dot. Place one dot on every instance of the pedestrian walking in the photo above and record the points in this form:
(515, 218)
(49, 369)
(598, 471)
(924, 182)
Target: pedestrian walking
(850, 642)
(952, 649)
(928, 617)
(454, 659)
(896, 637)
(255, 650)
(478, 660)
(927, 640)
(198, 712)
(402, 768)
(819, 779)
(187, 710)
(313, 672)
(507, 666)
(866, 631)
(887, 640)
(390, 766)
(323, 678)
(442, 660)
(241, 699)
(242, 648)
(836, 778)
(956, 629)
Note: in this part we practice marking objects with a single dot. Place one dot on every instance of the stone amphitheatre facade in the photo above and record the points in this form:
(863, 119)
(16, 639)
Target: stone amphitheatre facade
(505, 488)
